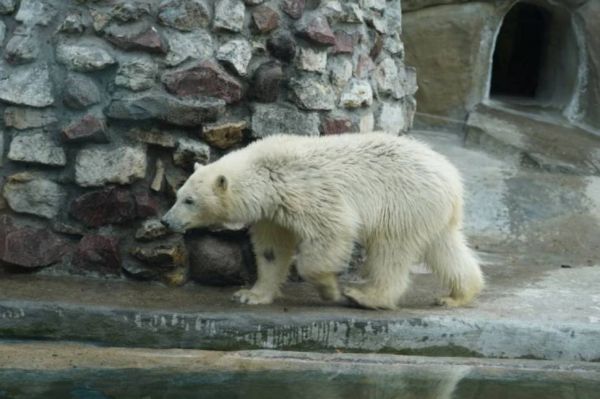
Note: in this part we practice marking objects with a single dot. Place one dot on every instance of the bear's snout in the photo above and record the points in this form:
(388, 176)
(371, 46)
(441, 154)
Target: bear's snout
(165, 222)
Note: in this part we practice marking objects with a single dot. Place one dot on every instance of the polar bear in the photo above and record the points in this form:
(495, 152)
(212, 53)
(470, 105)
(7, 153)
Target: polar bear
(311, 198)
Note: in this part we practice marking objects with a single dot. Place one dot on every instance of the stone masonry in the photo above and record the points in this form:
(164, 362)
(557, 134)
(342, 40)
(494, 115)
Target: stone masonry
(105, 105)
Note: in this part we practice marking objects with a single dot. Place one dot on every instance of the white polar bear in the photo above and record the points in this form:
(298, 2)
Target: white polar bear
(313, 197)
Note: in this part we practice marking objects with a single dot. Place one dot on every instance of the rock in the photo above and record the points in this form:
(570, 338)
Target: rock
(185, 15)
(386, 78)
(30, 248)
(110, 205)
(151, 229)
(7, 6)
(224, 135)
(352, 14)
(219, 261)
(269, 119)
(344, 43)
(588, 14)
(35, 12)
(158, 105)
(169, 255)
(26, 118)
(187, 46)
(98, 253)
(392, 118)
(229, 15)
(159, 176)
(337, 125)
(96, 166)
(312, 60)
(100, 19)
(127, 11)
(145, 204)
(73, 23)
(36, 147)
(366, 123)
(27, 85)
(282, 46)
(156, 137)
(144, 38)
(340, 71)
(358, 93)
(265, 19)
(316, 29)
(439, 43)
(253, 2)
(84, 57)
(312, 93)
(236, 53)
(293, 8)
(22, 47)
(89, 128)
(266, 82)
(2, 32)
(38, 197)
(378, 5)
(190, 151)
(68, 228)
(137, 74)
(80, 91)
(364, 67)
(393, 44)
(174, 177)
(203, 78)
(376, 48)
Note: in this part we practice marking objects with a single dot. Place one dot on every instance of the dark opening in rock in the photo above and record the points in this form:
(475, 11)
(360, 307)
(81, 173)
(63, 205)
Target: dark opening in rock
(535, 57)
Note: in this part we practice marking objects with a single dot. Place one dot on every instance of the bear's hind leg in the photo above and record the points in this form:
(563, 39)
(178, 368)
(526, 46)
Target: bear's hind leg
(386, 271)
(274, 247)
(319, 262)
(456, 265)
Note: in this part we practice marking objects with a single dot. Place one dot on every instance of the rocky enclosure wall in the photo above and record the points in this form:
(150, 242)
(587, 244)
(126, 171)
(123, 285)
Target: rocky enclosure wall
(106, 105)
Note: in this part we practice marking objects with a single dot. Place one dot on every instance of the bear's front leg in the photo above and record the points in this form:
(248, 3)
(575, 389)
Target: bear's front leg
(274, 248)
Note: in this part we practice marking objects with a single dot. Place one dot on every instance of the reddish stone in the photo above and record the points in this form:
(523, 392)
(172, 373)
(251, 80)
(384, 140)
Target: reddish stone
(88, 128)
(106, 206)
(148, 40)
(265, 18)
(29, 247)
(364, 67)
(337, 125)
(98, 253)
(318, 30)
(205, 78)
(293, 8)
(145, 204)
(344, 43)
(267, 82)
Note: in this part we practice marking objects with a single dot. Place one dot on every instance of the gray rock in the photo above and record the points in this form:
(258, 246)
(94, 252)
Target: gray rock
(151, 229)
(22, 47)
(73, 23)
(39, 197)
(392, 118)
(187, 46)
(84, 57)
(266, 82)
(313, 60)
(7, 6)
(366, 123)
(185, 15)
(137, 73)
(386, 77)
(229, 15)
(378, 5)
(340, 70)
(35, 12)
(27, 85)
(96, 166)
(36, 147)
(269, 119)
(26, 118)
(80, 91)
(127, 11)
(189, 111)
(312, 93)
(236, 53)
(393, 44)
(2, 33)
(190, 151)
(253, 2)
(357, 93)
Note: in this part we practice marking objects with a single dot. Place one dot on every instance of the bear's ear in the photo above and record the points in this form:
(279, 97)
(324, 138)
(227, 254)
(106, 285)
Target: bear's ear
(197, 166)
(221, 183)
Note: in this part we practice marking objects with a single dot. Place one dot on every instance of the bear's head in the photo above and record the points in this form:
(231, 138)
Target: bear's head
(201, 201)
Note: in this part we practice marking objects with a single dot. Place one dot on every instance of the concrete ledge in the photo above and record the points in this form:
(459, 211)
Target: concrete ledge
(125, 314)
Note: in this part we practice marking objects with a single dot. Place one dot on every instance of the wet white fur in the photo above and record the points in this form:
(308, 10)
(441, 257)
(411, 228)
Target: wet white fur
(312, 197)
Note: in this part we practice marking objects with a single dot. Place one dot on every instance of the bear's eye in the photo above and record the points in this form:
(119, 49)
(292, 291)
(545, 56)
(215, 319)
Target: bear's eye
(188, 201)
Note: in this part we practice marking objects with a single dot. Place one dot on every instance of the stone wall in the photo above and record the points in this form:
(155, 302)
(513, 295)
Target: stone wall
(106, 105)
